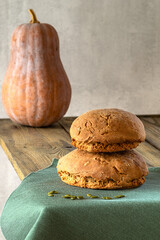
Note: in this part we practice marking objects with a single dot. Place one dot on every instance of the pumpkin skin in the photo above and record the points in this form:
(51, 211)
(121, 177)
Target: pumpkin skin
(36, 90)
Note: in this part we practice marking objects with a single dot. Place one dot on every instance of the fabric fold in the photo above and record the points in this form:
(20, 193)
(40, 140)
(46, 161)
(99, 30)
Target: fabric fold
(30, 214)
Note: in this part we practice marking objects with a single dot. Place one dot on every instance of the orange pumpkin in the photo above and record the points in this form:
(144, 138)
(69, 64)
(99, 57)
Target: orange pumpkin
(36, 90)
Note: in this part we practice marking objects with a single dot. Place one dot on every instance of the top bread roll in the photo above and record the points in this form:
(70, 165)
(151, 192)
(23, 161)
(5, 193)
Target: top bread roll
(107, 130)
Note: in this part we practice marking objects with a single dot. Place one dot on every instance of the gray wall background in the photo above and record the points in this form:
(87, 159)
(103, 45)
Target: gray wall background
(110, 49)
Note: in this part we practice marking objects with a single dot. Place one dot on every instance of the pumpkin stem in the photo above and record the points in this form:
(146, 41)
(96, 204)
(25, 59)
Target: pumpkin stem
(33, 16)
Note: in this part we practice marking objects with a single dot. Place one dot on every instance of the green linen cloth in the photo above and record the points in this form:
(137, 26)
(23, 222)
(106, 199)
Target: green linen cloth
(30, 213)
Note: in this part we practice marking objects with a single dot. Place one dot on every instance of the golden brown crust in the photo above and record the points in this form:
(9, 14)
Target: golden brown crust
(108, 127)
(89, 182)
(102, 170)
(100, 147)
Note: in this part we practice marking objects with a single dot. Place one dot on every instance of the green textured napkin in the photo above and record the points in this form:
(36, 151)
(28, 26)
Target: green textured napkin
(30, 214)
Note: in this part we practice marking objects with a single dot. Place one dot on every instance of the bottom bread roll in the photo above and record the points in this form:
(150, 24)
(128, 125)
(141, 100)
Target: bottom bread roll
(102, 170)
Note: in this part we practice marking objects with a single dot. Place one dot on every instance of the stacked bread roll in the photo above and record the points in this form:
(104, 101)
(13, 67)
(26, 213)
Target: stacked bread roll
(104, 158)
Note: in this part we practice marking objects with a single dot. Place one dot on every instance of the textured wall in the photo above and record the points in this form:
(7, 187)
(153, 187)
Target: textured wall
(110, 49)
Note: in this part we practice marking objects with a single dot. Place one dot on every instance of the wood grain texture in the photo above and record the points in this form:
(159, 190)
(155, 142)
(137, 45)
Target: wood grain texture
(152, 127)
(66, 123)
(30, 149)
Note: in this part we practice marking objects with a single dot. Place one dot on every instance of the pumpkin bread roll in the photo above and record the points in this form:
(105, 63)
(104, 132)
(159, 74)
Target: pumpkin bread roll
(107, 130)
(102, 170)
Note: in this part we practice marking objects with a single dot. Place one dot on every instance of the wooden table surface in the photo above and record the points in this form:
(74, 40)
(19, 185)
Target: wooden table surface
(30, 149)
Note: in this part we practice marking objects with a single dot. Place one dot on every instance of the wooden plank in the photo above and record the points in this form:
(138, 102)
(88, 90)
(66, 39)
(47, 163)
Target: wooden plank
(155, 119)
(152, 127)
(150, 154)
(66, 123)
(30, 149)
